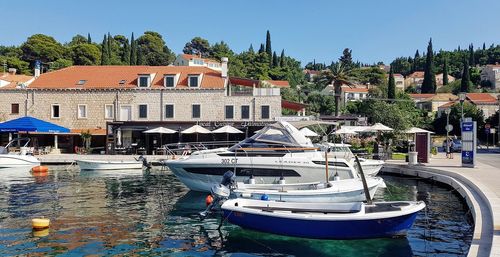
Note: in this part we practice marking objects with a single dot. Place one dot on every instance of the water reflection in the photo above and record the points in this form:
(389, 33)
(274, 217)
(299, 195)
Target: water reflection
(142, 213)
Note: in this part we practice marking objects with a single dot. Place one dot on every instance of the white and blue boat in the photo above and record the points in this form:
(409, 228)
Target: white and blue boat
(356, 220)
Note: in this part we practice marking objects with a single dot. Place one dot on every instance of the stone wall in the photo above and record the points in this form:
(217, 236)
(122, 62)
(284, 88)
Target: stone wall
(213, 102)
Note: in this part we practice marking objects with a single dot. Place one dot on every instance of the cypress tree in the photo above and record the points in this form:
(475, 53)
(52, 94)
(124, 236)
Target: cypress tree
(429, 83)
(465, 83)
(391, 88)
(282, 58)
(140, 57)
(110, 48)
(484, 46)
(471, 55)
(104, 51)
(250, 49)
(414, 67)
(269, 51)
(89, 40)
(275, 60)
(133, 50)
(126, 53)
(262, 49)
(445, 71)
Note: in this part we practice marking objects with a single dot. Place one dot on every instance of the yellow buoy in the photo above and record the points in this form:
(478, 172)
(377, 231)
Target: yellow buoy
(41, 232)
(40, 223)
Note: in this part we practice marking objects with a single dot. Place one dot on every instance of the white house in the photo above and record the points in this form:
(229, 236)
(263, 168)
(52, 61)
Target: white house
(196, 60)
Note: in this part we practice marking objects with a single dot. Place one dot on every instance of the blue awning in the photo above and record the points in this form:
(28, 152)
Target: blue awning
(31, 124)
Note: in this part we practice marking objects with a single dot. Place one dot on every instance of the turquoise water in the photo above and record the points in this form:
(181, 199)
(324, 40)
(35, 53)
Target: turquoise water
(153, 214)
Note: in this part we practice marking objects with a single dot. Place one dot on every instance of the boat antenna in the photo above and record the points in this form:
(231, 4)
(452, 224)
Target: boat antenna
(365, 186)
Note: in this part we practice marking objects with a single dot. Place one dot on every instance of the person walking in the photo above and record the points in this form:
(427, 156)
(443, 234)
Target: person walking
(452, 146)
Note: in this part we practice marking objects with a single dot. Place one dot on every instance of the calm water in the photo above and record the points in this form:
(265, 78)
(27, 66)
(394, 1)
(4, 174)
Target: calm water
(153, 214)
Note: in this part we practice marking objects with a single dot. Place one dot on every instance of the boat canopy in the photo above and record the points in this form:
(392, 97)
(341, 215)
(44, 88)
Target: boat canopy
(280, 134)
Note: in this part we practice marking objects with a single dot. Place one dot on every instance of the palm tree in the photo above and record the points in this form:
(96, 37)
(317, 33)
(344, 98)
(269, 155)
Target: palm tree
(337, 75)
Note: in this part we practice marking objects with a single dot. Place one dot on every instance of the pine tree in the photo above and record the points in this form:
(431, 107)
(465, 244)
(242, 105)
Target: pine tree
(429, 83)
(133, 50)
(104, 51)
(126, 53)
(346, 58)
(275, 60)
(465, 84)
(89, 40)
(445, 71)
(282, 58)
(471, 55)
(250, 49)
(262, 49)
(269, 50)
(391, 87)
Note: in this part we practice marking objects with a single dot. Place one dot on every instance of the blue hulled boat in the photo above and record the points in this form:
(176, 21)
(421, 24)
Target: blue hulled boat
(323, 220)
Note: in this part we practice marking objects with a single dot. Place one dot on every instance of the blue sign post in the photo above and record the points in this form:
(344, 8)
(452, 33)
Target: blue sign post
(469, 135)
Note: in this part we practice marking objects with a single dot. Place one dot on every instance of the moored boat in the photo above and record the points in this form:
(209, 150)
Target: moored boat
(336, 150)
(17, 159)
(109, 165)
(354, 220)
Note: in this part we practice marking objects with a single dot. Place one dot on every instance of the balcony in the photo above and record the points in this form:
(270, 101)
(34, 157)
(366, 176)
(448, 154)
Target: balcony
(248, 91)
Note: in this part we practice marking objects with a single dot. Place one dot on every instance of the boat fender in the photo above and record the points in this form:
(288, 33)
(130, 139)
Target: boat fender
(246, 195)
(264, 197)
(209, 200)
(40, 169)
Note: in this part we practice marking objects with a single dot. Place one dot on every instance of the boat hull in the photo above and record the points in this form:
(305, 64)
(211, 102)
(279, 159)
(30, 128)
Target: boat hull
(371, 167)
(109, 165)
(13, 160)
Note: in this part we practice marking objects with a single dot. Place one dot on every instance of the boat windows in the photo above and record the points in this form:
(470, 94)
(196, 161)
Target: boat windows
(245, 172)
(272, 136)
(337, 164)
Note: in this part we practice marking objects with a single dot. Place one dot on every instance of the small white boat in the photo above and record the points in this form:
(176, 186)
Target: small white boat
(337, 191)
(342, 151)
(17, 159)
(109, 165)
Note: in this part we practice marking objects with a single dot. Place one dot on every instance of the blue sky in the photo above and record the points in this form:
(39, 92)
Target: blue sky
(307, 30)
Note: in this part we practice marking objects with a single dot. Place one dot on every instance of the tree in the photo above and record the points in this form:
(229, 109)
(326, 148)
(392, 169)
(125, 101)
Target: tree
(275, 62)
(197, 46)
(221, 49)
(41, 47)
(338, 75)
(105, 51)
(126, 53)
(140, 57)
(133, 50)
(85, 54)
(262, 49)
(391, 88)
(76, 40)
(110, 48)
(416, 58)
(282, 58)
(346, 58)
(429, 83)
(269, 50)
(471, 55)
(60, 63)
(445, 71)
(470, 110)
(151, 48)
(89, 39)
(250, 49)
(21, 66)
(320, 104)
(465, 85)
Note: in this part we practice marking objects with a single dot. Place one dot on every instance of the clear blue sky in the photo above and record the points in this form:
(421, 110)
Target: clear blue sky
(307, 30)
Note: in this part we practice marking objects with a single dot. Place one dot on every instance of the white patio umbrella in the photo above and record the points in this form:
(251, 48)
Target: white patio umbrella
(344, 131)
(414, 130)
(196, 129)
(119, 137)
(308, 133)
(379, 127)
(161, 131)
(228, 130)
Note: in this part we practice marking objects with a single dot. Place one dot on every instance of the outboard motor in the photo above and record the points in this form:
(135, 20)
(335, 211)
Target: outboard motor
(145, 162)
(220, 193)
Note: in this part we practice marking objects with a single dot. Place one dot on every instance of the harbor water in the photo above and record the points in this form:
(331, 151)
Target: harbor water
(152, 214)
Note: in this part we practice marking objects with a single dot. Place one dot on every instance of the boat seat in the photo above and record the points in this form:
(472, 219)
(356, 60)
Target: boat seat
(341, 209)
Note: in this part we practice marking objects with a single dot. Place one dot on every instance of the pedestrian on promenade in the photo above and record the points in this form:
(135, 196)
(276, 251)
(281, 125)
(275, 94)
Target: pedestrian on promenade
(447, 148)
(452, 145)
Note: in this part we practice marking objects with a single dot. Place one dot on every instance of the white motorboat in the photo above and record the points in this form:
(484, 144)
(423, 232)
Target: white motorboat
(109, 165)
(278, 150)
(22, 158)
(336, 191)
(370, 167)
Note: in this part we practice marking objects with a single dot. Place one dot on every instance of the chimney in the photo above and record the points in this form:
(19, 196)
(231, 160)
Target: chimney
(12, 71)
(37, 69)
(224, 66)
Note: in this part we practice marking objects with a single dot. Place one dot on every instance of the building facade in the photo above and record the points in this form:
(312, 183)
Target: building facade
(197, 61)
(491, 73)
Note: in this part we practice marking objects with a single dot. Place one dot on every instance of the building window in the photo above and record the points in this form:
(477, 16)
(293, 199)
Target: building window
(109, 111)
(170, 81)
(198, 61)
(143, 111)
(54, 114)
(264, 111)
(245, 112)
(196, 111)
(82, 111)
(143, 81)
(125, 112)
(169, 111)
(229, 112)
(193, 81)
(14, 109)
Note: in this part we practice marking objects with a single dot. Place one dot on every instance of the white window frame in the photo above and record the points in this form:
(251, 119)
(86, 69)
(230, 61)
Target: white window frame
(139, 111)
(225, 112)
(169, 76)
(131, 112)
(197, 77)
(112, 112)
(78, 111)
(148, 83)
(52, 111)
(165, 111)
(192, 113)
(261, 113)
(249, 114)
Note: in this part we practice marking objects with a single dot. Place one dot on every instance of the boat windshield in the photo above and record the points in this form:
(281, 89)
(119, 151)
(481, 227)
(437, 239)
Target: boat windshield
(272, 136)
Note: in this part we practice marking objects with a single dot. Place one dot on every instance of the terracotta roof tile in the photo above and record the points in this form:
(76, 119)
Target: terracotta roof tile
(355, 90)
(481, 98)
(292, 105)
(278, 83)
(421, 96)
(416, 74)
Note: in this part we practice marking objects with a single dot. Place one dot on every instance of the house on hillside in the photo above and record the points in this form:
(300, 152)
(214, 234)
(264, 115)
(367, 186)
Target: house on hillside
(486, 102)
(491, 73)
(13, 80)
(310, 74)
(439, 79)
(196, 60)
(415, 79)
(431, 102)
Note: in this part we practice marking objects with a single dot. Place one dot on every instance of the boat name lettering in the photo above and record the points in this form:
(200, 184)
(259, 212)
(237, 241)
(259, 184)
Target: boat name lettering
(228, 161)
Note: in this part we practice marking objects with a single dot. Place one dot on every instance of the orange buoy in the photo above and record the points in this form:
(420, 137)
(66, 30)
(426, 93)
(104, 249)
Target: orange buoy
(40, 223)
(209, 200)
(40, 169)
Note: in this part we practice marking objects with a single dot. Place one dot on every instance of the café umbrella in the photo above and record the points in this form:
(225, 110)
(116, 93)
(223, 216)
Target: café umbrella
(196, 129)
(228, 130)
(161, 131)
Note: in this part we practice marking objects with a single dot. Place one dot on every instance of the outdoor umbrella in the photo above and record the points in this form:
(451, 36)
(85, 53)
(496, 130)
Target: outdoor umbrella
(196, 129)
(161, 131)
(228, 130)
(379, 127)
(308, 133)
(344, 131)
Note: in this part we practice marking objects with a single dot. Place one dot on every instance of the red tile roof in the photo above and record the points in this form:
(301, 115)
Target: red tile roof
(109, 77)
(448, 104)
(278, 83)
(416, 74)
(355, 90)
(292, 105)
(398, 75)
(481, 98)
(421, 96)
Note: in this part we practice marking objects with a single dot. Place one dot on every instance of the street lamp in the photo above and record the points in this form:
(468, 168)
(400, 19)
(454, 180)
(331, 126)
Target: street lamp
(461, 97)
(447, 111)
